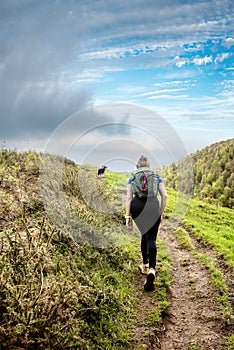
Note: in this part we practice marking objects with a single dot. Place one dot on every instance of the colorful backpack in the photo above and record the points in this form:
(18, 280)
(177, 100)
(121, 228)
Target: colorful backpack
(145, 183)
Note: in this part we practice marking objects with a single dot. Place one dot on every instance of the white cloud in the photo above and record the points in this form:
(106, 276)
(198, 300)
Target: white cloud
(104, 54)
(180, 62)
(195, 47)
(228, 42)
(221, 57)
(199, 61)
(129, 89)
(159, 92)
(164, 96)
(168, 83)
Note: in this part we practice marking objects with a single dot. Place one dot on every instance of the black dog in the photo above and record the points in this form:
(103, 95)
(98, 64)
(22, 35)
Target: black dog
(101, 170)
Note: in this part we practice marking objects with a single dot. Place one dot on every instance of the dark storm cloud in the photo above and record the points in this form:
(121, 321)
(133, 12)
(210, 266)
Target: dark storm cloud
(33, 53)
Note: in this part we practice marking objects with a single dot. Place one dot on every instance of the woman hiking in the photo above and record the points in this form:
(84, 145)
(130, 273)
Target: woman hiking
(142, 205)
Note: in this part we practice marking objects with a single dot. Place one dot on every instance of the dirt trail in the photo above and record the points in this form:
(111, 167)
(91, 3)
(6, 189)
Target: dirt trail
(194, 321)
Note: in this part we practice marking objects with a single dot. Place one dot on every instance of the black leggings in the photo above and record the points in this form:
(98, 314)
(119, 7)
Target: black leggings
(146, 214)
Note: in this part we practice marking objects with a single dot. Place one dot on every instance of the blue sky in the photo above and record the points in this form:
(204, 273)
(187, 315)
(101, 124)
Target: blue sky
(60, 58)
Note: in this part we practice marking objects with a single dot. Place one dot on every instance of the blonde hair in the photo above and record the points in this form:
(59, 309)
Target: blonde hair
(143, 162)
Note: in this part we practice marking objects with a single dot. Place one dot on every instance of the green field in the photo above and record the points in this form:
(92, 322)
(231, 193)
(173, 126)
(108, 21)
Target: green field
(210, 224)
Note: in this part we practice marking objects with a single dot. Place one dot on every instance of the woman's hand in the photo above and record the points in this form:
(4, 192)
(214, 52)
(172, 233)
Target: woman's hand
(129, 223)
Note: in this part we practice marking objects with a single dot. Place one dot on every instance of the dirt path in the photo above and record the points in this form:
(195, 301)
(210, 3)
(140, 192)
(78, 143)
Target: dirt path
(195, 321)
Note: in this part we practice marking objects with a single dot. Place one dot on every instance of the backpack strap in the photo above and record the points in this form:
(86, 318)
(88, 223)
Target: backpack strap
(142, 170)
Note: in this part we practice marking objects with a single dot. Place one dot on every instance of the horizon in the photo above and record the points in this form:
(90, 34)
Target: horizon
(125, 171)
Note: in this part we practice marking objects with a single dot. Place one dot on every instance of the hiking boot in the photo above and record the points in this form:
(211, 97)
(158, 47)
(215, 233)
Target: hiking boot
(144, 268)
(149, 283)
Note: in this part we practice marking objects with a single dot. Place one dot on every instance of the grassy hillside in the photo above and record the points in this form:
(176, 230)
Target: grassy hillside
(213, 177)
(59, 288)
(55, 292)
(66, 269)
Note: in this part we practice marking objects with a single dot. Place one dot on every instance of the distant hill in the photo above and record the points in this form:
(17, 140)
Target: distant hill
(213, 175)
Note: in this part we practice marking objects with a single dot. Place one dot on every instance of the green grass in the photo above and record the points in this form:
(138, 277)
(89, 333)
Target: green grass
(217, 277)
(229, 342)
(194, 345)
(211, 225)
(117, 181)
(59, 293)
(156, 314)
(55, 292)
(164, 275)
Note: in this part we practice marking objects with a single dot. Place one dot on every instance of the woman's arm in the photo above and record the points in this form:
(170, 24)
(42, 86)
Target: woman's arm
(128, 199)
(128, 206)
(163, 194)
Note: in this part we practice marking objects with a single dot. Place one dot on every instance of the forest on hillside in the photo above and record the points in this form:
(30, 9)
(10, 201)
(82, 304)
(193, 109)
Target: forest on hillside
(211, 178)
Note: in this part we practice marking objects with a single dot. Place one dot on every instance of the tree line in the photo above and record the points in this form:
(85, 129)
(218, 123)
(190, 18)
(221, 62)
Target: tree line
(207, 174)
